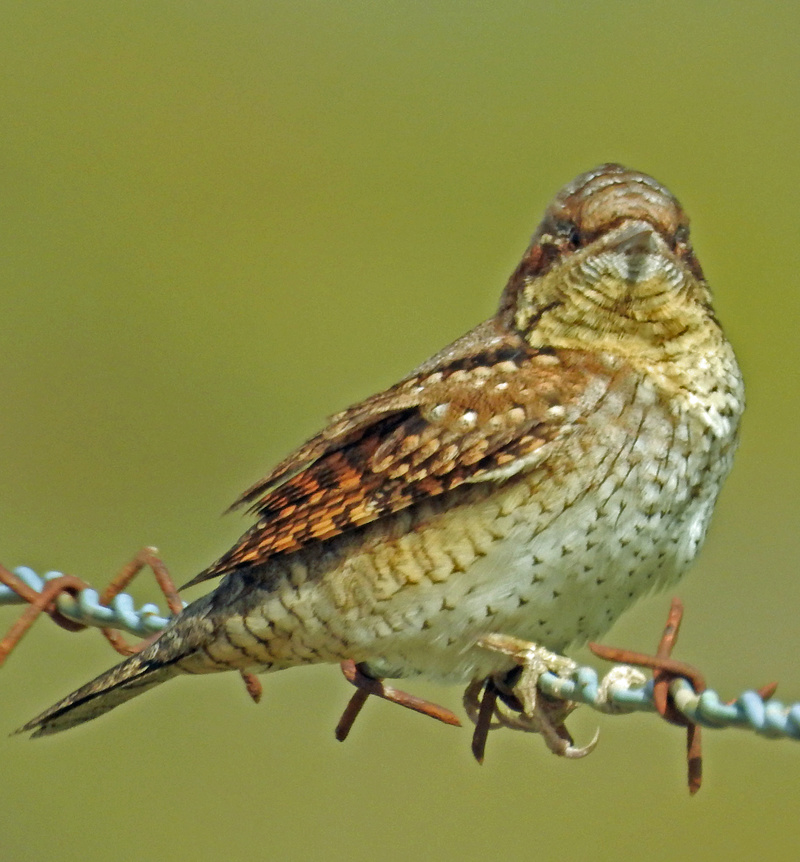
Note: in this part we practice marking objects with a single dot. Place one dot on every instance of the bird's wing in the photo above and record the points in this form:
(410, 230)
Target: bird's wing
(475, 418)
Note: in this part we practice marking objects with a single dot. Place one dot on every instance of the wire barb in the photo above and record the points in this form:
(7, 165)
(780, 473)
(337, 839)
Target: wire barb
(665, 671)
(366, 685)
(72, 604)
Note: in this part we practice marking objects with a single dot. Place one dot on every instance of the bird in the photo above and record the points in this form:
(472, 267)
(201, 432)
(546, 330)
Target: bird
(533, 478)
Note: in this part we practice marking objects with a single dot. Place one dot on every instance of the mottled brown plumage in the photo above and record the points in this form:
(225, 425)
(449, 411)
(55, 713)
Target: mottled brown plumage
(451, 424)
(533, 478)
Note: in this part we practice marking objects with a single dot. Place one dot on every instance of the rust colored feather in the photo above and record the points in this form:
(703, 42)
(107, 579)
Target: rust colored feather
(456, 420)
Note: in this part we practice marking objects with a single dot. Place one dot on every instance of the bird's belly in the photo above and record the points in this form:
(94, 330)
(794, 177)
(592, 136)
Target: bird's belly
(553, 556)
(554, 576)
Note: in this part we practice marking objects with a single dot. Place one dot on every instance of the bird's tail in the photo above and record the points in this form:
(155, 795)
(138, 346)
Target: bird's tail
(133, 676)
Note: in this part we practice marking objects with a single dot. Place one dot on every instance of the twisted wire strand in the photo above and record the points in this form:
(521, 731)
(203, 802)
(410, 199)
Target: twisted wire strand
(85, 607)
(771, 719)
(622, 690)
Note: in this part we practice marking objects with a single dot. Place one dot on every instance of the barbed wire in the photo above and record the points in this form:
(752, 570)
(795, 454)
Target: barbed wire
(536, 698)
(768, 718)
(611, 694)
(84, 606)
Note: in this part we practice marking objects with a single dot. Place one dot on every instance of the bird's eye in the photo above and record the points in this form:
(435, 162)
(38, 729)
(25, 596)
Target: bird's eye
(570, 232)
(681, 234)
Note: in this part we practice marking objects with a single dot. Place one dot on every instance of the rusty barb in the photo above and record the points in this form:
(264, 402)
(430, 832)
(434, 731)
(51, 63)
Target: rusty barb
(367, 685)
(666, 671)
(536, 696)
(46, 602)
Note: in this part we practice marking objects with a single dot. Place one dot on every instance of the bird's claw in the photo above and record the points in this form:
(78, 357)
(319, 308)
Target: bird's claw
(515, 700)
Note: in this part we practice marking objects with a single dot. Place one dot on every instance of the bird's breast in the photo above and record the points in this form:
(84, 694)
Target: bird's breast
(620, 506)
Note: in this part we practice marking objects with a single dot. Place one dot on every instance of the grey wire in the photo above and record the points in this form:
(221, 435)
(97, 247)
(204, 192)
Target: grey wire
(620, 691)
(85, 607)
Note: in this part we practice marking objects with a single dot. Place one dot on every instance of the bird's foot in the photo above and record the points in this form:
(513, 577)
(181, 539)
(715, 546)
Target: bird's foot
(514, 700)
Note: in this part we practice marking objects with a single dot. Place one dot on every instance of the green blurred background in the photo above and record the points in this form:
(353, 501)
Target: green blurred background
(220, 222)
